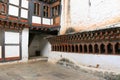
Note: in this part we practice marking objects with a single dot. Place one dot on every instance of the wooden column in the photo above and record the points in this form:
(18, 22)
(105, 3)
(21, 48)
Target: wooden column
(113, 47)
(106, 49)
(78, 48)
(93, 45)
(99, 48)
(70, 48)
(83, 51)
(88, 49)
(74, 48)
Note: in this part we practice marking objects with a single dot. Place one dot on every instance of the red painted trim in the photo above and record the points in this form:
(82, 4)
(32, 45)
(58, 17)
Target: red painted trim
(12, 18)
(23, 20)
(2, 16)
(44, 25)
(1, 59)
(12, 58)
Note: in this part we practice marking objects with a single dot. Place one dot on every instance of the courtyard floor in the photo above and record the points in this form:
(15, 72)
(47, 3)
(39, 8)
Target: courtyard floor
(42, 71)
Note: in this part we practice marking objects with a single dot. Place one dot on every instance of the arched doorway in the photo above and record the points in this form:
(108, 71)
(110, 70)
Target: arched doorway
(73, 48)
(76, 47)
(85, 48)
(109, 48)
(96, 49)
(90, 48)
(81, 48)
(117, 48)
(102, 48)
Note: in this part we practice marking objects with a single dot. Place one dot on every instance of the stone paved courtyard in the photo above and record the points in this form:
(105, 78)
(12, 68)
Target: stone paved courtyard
(42, 71)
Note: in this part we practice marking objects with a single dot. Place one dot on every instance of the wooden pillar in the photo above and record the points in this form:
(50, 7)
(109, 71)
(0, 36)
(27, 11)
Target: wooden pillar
(78, 48)
(74, 48)
(113, 48)
(83, 49)
(99, 48)
(70, 48)
(62, 48)
(88, 48)
(65, 48)
(53, 47)
(93, 45)
(59, 48)
(106, 49)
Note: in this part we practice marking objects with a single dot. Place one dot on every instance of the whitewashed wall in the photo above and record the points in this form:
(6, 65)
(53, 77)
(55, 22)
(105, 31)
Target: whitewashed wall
(38, 44)
(106, 62)
(25, 40)
(82, 16)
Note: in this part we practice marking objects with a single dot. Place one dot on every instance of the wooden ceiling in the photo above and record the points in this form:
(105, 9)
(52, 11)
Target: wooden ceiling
(49, 1)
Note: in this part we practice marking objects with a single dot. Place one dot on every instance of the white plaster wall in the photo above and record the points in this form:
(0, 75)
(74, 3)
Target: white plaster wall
(13, 10)
(34, 46)
(51, 21)
(24, 13)
(79, 12)
(104, 9)
(46, 21)
(25, 3)
(46, 48)
(38, 44)
(36, 19)
(25, 40)
(106, 62)
(83, 16)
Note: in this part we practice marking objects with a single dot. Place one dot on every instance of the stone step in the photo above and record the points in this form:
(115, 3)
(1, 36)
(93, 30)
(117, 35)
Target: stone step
(32, 59)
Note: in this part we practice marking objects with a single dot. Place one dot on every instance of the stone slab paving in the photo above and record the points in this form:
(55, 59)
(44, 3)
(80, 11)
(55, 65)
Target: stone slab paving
(42, 71)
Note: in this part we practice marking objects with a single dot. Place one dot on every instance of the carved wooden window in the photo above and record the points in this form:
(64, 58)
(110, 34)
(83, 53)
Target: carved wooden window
(45, 11)
(37, 9)
(2, 10)
(3, 1)
(3, 6)
(56, 11)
